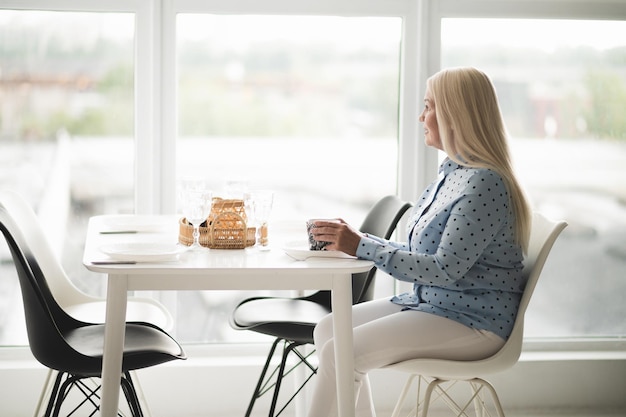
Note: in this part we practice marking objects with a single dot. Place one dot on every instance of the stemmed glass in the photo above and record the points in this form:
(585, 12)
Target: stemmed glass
(196, 199)
(261, 204)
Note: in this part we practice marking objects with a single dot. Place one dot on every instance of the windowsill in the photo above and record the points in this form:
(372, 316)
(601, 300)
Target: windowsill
(534, 350)
(566, 349)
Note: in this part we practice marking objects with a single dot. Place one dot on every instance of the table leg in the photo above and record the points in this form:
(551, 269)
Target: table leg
(344, 352)
(117, 291)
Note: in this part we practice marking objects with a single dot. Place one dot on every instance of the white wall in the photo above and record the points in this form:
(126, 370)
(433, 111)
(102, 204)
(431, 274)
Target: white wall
(211, 383)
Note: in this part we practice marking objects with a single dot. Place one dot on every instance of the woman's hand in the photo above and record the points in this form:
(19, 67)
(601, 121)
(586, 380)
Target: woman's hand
(341, 235)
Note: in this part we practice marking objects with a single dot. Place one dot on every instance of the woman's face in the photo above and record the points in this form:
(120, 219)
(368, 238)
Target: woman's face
(429, 118)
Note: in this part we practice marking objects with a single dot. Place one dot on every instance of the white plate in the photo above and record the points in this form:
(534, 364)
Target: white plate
(130, 223)
(301, 252)
(144, 251)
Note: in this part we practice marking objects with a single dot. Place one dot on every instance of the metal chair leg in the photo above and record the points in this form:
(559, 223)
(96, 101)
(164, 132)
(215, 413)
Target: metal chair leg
(279, 378)
(274, 380)
(405, 392)
(131, 395)
(259, 389)
(439, 389)
(141, 398)
(45, 391)
(54, 392)
(64, 383)
(303, 359)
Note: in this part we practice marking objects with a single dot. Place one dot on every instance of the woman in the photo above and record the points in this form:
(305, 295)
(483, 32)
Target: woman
(464, 252)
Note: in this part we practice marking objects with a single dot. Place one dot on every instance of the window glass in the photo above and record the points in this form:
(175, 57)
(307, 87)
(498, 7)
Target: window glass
(562, 87)
(306, 106)
(66, 132)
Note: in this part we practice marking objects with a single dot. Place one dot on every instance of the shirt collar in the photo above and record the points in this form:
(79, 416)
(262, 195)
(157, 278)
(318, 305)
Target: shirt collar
(447, 166)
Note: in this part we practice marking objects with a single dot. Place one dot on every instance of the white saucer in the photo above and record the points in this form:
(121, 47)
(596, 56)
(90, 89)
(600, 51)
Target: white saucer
(131, 223)
(144, 251)
(301, 252)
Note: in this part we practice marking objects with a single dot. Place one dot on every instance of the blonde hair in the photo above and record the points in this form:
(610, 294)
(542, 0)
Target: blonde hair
(473, 134)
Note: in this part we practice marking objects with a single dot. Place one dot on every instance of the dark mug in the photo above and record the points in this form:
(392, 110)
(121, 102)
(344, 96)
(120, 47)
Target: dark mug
(314, 244)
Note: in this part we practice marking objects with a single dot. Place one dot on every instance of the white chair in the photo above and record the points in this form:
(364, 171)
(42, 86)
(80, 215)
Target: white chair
(439, 376)
(72, 300)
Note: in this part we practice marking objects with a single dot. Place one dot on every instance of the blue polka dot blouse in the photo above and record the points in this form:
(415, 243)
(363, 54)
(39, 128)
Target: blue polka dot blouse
(460, 256)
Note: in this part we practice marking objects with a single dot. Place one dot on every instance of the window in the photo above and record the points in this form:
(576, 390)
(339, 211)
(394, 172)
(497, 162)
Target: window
(256, 97)
(66, 131)
(238, 79)
(260, 96)
(273, 102)
(562, 87)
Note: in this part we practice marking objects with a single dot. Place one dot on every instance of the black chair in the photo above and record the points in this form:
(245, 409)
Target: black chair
(74, 348)
(292, 320)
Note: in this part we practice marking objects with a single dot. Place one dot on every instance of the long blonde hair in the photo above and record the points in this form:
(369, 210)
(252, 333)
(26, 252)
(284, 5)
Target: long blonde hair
(473, 134)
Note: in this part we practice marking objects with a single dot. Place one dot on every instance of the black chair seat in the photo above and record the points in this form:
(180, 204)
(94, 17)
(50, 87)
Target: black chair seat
(284, 318)
(145, 345)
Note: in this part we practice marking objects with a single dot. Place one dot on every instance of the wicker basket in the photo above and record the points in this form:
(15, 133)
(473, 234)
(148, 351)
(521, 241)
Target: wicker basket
(225, 227)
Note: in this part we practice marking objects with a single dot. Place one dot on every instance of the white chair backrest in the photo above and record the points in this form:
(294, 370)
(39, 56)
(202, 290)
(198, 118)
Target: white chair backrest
(544, 233)
(65, 293)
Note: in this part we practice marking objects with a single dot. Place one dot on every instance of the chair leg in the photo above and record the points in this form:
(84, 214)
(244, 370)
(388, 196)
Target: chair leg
(291, 347)
(274, 380)
(405, 392)
(435, 390)
(54, 392)
(279, 381)
(64, 383)
(427, 396)
(259, 389)
(141, 398)
(45, 391)
(131, 395)
(437, 385)
(479, 404)
(63, 392)
(494, 396)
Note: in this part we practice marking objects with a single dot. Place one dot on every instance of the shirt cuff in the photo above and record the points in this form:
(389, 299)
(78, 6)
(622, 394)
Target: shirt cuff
(367, 248)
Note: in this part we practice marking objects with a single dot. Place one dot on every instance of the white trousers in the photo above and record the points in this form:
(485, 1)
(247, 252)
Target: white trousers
(384, 334)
